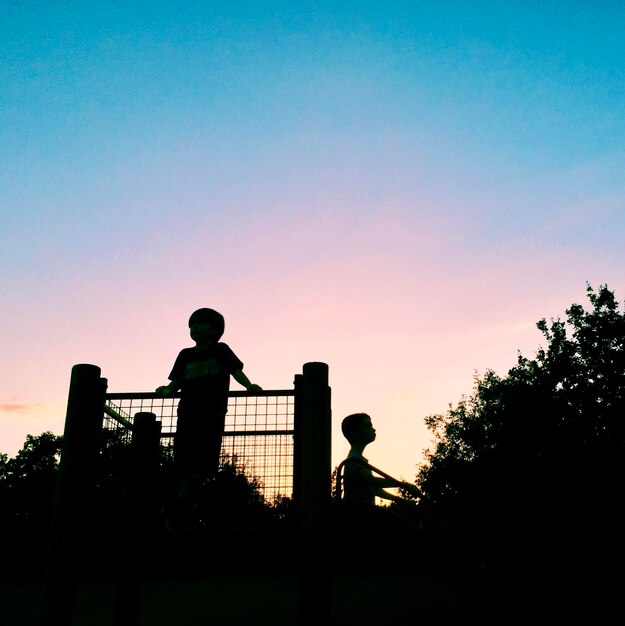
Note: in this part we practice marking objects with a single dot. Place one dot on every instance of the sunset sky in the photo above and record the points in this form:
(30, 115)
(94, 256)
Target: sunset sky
(398, 189)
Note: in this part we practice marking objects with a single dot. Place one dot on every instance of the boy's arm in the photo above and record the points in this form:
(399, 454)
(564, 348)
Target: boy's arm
(380, 483)
(380, 493)
(242, 379)
(378, 487)
(384, 482)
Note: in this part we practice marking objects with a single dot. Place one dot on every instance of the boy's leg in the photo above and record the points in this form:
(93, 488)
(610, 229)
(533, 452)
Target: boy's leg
(196, 454)
(176, 510)
(210, 460)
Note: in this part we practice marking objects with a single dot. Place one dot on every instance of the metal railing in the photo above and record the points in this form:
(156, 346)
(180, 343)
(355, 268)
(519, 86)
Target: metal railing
(258, 433)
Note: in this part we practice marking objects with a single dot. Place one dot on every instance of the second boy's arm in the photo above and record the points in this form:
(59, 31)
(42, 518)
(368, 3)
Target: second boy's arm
(380, 483)
(378, 487)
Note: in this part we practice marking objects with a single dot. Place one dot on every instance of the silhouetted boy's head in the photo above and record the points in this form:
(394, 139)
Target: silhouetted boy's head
(358, 428)
(206, 326)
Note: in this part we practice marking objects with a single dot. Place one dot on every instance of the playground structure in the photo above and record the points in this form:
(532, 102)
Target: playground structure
(296, 574)
(282, 437)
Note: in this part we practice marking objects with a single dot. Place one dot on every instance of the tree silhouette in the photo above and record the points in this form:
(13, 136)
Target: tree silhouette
(27, 484)
(109, 545)
(527, 472)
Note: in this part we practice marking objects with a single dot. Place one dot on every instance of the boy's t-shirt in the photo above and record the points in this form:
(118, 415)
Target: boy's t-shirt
(204, 377)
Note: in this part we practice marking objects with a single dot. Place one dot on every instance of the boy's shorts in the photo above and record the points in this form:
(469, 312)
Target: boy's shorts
(197, 444)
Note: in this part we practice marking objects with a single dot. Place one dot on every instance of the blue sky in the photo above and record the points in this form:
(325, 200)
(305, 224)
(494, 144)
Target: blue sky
(399, 189)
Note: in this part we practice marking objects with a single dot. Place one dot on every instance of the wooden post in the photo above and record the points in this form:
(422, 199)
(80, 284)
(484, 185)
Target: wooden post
(144, 466)
(312, 446)
(311, 489)
(141, 514)
(74, 491)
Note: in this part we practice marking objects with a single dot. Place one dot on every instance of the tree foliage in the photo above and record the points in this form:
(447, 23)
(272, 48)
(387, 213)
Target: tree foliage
(27, 480)
(28, 485)
(531, 464)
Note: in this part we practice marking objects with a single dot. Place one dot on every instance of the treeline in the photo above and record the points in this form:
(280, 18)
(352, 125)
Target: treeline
(527, 473)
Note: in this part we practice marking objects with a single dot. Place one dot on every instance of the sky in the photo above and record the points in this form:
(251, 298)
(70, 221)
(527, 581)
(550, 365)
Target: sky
(398, 189)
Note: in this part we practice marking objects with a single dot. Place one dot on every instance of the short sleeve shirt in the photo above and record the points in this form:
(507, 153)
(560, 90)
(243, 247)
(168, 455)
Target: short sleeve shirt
(204, 377)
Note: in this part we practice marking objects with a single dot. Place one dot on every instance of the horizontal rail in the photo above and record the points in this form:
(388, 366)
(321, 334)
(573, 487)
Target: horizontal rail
(138, 395)
(244, 433)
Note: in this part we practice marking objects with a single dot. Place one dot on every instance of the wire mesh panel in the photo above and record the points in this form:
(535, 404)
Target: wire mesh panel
(258, 432)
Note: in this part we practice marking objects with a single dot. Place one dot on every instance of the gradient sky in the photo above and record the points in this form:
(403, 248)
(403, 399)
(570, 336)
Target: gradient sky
(398, 189)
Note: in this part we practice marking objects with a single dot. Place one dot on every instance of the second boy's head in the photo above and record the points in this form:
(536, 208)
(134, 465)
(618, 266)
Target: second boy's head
(358, 429)
(206, 326)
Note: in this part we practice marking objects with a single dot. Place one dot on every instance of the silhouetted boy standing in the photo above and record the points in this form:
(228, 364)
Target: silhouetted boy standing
(202, 375)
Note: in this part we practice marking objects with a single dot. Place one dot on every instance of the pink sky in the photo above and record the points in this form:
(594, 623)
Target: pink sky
(403, 315)
(400, 191)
